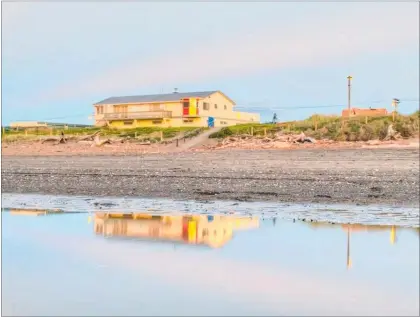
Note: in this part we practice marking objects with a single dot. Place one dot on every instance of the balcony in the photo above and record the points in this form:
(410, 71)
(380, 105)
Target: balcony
(138, 115)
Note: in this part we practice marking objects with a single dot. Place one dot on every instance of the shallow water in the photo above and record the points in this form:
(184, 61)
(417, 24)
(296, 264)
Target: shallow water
(353, 214)
(215, 264)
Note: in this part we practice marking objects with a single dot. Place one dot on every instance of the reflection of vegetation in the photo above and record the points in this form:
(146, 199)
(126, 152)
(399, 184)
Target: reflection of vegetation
(211, 230)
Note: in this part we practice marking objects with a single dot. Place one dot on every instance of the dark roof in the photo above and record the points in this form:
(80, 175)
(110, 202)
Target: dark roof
(155, 98)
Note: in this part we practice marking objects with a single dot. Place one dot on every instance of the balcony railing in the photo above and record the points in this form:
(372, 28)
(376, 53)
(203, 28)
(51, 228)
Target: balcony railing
(138, 115)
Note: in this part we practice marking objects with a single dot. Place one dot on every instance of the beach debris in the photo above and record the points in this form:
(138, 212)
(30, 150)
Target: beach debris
(55, 141)
(49, 140)
(274, 141)
(302, 138)
(90, 137)
(391, 134)
(98, 142)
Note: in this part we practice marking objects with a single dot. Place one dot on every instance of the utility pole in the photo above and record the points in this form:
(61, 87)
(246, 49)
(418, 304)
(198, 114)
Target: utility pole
(395, 103)
(349, 78)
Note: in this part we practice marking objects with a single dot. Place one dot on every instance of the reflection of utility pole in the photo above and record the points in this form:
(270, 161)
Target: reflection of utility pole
(395, 103)
(393, 236)
(349, 78)
(348, 248)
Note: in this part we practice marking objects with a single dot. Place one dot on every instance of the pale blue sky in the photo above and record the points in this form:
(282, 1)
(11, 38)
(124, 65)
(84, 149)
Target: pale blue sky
(60, 58)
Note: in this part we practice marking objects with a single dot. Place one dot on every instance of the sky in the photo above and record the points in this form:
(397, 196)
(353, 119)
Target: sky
(58, 59)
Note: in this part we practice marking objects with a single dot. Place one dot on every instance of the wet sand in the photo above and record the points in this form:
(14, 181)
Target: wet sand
(277, 268)
(356, 176)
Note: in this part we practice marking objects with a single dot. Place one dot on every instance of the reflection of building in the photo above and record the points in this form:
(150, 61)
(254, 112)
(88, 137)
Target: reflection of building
(211, 230)
(34, 212)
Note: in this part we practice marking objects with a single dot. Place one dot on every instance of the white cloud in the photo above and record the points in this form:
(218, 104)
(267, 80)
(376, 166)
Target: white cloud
(215, 40)
(309, 41)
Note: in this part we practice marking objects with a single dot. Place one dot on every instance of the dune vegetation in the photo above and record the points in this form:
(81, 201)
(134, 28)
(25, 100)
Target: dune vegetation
(332, 128)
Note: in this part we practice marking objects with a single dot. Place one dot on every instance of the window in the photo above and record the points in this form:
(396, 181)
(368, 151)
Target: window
(225, 107)
(188, 121)
(120, 109)
(223, 122)
(206, 106)
(157, 121)
(215, 106)
(128, 122)
(154, 232)
(99, 109)
(156, 107)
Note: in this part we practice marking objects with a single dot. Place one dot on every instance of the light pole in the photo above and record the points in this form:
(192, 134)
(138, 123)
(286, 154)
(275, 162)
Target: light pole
(395, 103)
(349, 78)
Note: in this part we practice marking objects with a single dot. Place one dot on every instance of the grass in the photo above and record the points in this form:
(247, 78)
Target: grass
(10, 135)
(332, 127)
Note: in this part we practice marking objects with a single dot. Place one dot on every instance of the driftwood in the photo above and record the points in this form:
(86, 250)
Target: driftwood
(278, 140)
(302, 138)
(56, 141)
(90, 137)
(391, 134)
(144, 143)
(98, 142)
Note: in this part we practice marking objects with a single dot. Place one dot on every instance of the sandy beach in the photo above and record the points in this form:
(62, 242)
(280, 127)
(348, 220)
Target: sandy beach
(308, 175)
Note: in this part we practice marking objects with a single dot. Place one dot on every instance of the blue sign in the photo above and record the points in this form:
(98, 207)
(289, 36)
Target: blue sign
(210, 122)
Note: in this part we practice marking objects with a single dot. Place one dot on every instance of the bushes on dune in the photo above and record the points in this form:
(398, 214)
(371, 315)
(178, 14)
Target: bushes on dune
(333, 128)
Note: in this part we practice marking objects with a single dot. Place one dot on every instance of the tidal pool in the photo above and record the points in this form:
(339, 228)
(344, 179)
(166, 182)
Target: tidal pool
(170, 263)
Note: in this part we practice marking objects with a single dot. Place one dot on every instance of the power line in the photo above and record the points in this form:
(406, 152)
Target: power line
(257, 106)
(270, 107)
(292, 107)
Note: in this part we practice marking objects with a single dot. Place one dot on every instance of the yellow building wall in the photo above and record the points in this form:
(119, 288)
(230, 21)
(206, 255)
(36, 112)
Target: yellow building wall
(166, 123)
(174, 107)
(223, 117)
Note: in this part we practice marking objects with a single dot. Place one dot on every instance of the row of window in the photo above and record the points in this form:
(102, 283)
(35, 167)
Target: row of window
(130, 122)
(206, 106)
(124, 108)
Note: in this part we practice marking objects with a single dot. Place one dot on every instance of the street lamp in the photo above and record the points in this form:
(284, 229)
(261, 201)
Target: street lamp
(395, 103)
(349, 78)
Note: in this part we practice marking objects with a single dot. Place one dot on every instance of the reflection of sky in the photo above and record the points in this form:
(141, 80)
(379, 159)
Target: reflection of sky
(55, 265)
(319, 249)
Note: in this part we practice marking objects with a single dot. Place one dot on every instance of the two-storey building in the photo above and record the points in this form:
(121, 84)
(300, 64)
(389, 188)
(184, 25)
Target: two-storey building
(196, 109)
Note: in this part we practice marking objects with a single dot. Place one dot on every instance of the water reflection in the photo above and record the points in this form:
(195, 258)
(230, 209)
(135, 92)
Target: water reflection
(211, 230)
(349, 229)
(246, 277)
(34, 212)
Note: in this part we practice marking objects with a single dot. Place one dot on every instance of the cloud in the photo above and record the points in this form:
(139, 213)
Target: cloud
(311, 40)
(269, 36)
